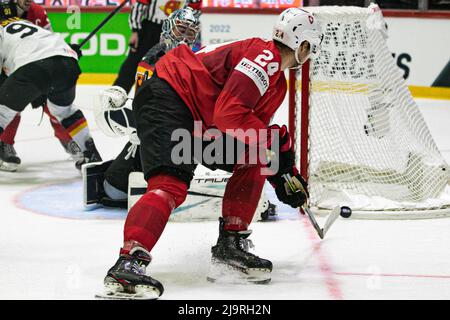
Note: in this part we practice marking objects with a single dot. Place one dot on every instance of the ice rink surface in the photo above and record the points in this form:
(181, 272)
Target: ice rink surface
(48, 257)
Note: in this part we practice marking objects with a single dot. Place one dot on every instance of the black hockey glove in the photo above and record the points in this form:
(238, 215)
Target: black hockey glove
(76, 47)
(290, 187)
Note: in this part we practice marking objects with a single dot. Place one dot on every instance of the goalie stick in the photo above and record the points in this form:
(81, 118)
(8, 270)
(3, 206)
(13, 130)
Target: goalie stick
(337, 211)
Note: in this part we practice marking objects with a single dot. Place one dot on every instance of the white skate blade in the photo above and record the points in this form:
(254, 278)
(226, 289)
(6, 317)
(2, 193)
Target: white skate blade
(6, 166)
(222, 273)
(116, 292)
(125, 296)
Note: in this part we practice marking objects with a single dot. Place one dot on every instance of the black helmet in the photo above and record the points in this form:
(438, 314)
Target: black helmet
(8, 9)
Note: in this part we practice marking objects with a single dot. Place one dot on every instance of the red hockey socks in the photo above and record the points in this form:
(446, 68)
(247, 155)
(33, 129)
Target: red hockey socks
(241, 197)
(10, 131)
(148, 217)
(60, 131)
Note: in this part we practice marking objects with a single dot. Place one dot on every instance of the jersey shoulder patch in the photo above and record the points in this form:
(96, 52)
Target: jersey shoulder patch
(256, 73)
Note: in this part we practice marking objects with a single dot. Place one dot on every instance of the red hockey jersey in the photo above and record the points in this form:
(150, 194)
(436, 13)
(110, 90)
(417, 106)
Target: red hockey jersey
(37, 15)
(236, 85)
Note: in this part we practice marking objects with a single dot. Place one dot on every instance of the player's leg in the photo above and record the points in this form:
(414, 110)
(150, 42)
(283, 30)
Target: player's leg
(231, 260)
(16, 92)
(66, 141)
(69, 145)
(149, 35)
(60, 105)
(9, 134)
(158, 112)
(75, 124)
(9, 160)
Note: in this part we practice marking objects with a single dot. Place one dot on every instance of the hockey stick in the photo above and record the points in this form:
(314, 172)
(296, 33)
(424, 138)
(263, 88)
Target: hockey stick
(344, 212)
(93, 32)
(313, 220)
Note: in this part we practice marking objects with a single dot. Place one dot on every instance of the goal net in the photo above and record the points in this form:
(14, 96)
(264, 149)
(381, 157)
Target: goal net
(360, 138)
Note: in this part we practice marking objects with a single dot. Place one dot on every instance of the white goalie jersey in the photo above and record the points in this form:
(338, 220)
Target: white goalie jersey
(22, 42)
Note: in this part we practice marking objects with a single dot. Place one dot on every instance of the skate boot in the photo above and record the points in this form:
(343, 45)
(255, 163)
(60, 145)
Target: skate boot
(9, 161)
(72, 148)
(232, 263)
(127, 278)
(89, 155)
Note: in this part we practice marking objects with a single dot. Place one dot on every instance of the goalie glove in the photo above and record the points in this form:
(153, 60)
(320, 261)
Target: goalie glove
(113, 98)
(113, 114)
(289, 185)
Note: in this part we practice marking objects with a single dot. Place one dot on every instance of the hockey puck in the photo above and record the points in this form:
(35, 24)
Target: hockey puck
(346, 212)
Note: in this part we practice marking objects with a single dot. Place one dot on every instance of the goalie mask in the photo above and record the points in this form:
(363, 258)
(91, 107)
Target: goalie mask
(296, 25)
(8, 9)
(181, 27)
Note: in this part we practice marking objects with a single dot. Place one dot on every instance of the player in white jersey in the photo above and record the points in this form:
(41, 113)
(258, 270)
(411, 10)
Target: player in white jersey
(39, 62)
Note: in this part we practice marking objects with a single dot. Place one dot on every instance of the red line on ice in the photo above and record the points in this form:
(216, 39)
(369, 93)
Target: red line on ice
(391, 275)
(325, 267)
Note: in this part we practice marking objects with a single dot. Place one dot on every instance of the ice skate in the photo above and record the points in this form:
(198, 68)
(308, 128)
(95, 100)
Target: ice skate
(72, 148)
(89, 155)
(127, 279)
(232, 263)
(9, 161)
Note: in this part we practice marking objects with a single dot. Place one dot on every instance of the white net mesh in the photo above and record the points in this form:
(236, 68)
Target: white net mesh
(369, 146)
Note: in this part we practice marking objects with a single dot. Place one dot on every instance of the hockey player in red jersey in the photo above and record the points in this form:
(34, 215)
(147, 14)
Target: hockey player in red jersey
(39, 63)
(9, 160)
(232, 87)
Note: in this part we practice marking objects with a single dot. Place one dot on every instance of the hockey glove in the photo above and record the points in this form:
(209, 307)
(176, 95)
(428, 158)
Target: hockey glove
(113, 115)
(290, 187)
(76, 47)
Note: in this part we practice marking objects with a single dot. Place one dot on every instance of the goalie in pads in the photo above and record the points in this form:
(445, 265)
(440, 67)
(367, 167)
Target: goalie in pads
(107, 183)
(232, 87)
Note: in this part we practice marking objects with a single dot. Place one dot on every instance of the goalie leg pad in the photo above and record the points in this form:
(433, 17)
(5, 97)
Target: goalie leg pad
(93, 177)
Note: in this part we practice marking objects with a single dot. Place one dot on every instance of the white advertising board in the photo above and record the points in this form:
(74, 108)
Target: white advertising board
(421, 46)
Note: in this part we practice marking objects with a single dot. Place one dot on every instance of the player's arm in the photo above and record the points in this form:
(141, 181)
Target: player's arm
(234, 108)
(245, 87)
(144, 72)
(234, 111)
(146, 66)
